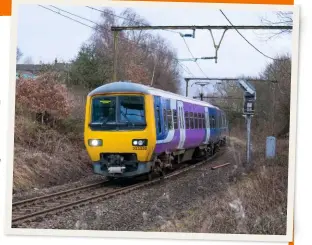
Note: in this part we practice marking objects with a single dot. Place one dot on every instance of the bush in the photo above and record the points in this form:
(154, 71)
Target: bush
(45, 97)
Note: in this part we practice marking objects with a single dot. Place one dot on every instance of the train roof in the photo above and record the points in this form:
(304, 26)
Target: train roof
(127, 86)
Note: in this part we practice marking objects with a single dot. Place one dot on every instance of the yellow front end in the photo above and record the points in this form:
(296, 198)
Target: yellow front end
(120, 141)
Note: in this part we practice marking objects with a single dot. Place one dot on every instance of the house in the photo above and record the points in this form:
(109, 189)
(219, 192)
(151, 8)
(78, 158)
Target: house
(30, 71)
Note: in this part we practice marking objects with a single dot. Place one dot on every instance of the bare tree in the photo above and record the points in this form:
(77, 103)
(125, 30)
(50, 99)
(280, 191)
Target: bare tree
(279, 107)
(272, 108)
(19, 54)
(282, 18)
(135, 56)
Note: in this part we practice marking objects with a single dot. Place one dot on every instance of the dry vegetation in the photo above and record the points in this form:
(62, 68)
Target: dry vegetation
(253, 202)
(48, 138)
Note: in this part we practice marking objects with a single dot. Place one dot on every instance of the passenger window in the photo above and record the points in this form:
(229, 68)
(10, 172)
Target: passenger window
(204, 121)
(187, 124)
(212, 122)
(191, 120)
(169, 119)
(198, 120)
(208, 125)
(175, 119)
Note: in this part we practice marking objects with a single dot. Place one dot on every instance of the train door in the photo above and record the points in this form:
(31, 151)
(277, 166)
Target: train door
(158, 121)
(181, 124)
(207, 126)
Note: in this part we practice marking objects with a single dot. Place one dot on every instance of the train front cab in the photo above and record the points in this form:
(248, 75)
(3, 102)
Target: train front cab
(120, 133)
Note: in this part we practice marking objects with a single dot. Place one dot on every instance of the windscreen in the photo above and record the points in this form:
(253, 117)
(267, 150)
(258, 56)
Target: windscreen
(118, 112)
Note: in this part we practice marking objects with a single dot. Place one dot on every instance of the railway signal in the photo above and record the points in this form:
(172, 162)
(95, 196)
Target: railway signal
(249, 97)
(248, 110)
(249, 100)
(249, 104)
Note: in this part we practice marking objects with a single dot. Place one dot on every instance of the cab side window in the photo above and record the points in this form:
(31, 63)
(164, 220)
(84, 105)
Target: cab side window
(158, 123)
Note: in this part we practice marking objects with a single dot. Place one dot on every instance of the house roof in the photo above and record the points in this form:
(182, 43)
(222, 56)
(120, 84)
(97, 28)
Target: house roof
(38, 67)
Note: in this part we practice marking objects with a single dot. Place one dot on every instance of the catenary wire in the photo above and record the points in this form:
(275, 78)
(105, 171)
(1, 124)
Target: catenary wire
(246, 38)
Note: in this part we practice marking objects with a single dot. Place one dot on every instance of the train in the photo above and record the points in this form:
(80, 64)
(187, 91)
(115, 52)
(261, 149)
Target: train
(132, 129)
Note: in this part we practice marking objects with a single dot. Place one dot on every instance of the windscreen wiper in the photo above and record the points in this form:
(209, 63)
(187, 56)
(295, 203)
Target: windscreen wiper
(104, 122)
(128, 121)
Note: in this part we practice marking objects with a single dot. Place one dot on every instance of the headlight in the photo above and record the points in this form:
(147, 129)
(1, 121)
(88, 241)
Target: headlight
(95, 142)
(139, 142)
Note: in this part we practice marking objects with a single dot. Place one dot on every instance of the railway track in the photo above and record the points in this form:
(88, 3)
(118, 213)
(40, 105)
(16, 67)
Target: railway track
(35, 209)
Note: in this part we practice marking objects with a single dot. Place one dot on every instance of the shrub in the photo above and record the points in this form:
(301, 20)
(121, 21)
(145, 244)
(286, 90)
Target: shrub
(45, 96)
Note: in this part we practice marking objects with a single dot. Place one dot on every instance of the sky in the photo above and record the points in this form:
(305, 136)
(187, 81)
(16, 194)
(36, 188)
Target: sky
(44, 36)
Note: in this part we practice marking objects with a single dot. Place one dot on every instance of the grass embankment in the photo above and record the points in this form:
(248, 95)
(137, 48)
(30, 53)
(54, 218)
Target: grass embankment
(45, 156)
(254, 203)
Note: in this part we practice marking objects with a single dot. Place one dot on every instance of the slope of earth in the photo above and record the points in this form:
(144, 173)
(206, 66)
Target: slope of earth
(47, 156)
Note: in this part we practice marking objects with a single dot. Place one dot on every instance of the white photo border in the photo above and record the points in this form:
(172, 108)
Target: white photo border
(157, 235)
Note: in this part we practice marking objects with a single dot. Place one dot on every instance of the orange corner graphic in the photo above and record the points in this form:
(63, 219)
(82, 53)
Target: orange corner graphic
(5, 7)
